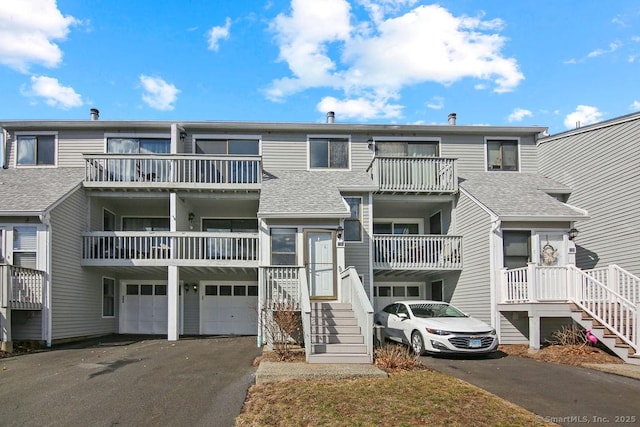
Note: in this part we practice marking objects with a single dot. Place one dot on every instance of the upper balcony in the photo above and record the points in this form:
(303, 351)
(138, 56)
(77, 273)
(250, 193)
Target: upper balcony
(424, 175)
(162, 248)
(417, 252)
(173, 171)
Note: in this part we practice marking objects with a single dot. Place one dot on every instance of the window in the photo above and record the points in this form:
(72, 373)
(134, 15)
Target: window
(228, 146)
(353, 225)
(145, 224)
(36, 150)
(437, 290)
(395, 228)
(283, 246)
(108, 297)
(435, 223)
(502, 155)
(329, 153)
(138, 169)
(233, 225)
(108, 220)
(516, 248)
(25, 244)
(138, 145)
(407, 148)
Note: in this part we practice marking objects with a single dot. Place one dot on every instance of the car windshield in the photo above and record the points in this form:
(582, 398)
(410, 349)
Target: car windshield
(435, 310)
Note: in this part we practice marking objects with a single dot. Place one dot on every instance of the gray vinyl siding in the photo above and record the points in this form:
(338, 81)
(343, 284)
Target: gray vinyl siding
(472, 290)
(26, 325)
(76, 292)
(602, 167)
(469, 150)
(73, 144)
(357, 254)
(191, 313)
(514, 327)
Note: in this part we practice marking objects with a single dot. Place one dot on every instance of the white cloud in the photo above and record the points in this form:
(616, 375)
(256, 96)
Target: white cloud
(584, 115)
(436, 103)
(362, 108)
(518, 115)
(382, 56)
(599, 52)
(219, 33)
(159, 94)
(54, 94)
(28, 31)
(635, 106)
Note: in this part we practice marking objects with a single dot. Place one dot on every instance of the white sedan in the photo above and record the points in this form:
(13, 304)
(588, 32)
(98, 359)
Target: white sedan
(436, 327)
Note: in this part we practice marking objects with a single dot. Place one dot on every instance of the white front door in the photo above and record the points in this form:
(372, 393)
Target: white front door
(319, 254)
(144, 307)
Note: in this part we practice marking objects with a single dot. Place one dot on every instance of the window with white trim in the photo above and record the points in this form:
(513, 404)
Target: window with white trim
(353, 224)
(396, 228)
(399, 148)
(329, 153)
(36, 150)
(108, 297)
(283, 246)
(502, 155)
(25, 244)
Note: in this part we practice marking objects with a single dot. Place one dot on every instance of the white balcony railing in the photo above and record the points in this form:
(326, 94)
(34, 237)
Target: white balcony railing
(282, 287)
(172, 170)
(20, 287)
(107, 247)
(417, 252)
(415, 174)
(534, 284)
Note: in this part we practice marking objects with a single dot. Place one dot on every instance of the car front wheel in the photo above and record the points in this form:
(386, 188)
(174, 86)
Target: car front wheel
(417, 343)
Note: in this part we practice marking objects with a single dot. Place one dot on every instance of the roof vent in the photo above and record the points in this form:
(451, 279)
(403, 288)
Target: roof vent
(452, 119)
(331, 116)
(95, 114)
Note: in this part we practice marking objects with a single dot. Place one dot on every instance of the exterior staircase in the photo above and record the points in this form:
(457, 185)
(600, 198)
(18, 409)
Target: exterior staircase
(605, 335)
(335, 334)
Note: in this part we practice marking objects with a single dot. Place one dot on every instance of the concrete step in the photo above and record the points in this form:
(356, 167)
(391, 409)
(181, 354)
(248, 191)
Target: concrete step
(337, 339)
(338, 321)
(339, 348)
(340, 358)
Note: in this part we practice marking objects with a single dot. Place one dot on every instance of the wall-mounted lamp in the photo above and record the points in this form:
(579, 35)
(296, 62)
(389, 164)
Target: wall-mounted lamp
(339, 232)
(186, 287)
(573, 234)
(195, 287)
(183, 133)
(191, 218)
(370, 143)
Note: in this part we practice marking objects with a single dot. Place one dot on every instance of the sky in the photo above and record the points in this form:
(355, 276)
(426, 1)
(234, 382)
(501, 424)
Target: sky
(504, 63)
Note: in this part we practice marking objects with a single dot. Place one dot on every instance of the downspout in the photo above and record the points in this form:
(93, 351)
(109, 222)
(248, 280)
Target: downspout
(47, 329)
(3, 148)
(496, 224)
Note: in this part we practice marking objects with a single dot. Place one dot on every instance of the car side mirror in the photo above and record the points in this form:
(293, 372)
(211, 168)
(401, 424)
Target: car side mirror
(403, 315)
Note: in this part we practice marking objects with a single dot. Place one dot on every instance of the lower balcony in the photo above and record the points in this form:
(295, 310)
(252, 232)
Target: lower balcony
(20, 287)
(417, 252)
(125, 248)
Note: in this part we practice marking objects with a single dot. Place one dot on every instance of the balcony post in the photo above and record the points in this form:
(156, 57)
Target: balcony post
(532, 283)
(173, 318)
(6, 343)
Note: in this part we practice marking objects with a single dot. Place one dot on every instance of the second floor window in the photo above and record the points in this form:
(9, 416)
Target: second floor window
(407, 148)
(228, 146)
(36, 150)
(25, 243)
(329, 153)
(502, 155)
(283, 246)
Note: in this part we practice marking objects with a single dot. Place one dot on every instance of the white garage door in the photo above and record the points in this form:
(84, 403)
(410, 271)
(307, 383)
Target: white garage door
(143, 308)
(228, 309)
(385, 294)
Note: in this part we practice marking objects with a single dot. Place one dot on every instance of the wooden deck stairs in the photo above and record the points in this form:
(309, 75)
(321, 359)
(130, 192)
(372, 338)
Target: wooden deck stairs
(335, 334)
(606, 336)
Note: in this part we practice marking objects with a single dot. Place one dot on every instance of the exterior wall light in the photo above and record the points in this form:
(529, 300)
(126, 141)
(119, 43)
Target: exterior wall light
(339, 232)
(573, 234)
(191, 218)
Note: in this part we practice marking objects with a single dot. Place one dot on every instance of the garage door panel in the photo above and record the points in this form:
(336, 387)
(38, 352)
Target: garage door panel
(227, 309)
(144, 308)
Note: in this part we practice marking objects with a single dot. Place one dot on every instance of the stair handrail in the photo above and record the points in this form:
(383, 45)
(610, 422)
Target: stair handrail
(305, 311)
(606, 306)
(353, 292)
(620, 280)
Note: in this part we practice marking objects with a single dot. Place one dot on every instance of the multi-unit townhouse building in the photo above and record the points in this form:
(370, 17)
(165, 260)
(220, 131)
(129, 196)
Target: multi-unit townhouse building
(208, 228)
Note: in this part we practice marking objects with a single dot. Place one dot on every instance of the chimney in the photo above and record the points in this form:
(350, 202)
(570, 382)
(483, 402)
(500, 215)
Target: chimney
(95, 114)
(331, 117)
(452, 119)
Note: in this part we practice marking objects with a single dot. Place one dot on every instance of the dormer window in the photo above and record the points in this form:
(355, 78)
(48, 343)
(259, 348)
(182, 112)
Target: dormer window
(36, 150)
(329, 153)
(502, 155)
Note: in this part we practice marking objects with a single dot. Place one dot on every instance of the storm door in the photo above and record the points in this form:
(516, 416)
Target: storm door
(319, 260)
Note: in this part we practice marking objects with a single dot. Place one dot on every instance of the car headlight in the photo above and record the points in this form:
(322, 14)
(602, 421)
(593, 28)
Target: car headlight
(493, 332)
(438, 331)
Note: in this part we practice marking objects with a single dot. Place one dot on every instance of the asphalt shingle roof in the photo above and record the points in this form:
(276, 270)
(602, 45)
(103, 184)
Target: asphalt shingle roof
(300, 193)
(33, 190)
(509, 194)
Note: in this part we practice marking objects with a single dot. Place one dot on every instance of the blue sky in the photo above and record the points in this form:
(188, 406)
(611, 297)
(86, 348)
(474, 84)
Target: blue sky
(371, 61)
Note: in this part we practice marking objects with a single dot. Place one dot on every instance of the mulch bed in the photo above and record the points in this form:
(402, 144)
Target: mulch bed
(575, 355)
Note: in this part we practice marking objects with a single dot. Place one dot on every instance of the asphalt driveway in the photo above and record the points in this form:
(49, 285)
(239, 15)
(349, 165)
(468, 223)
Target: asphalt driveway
(145, 382)
(563, 394)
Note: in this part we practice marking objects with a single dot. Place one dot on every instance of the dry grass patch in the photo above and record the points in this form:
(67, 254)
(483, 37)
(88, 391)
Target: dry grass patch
(575, 355)
(415, 398)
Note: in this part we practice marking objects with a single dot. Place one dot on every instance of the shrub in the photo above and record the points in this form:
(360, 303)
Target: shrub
(394, 357)
(568, 335)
